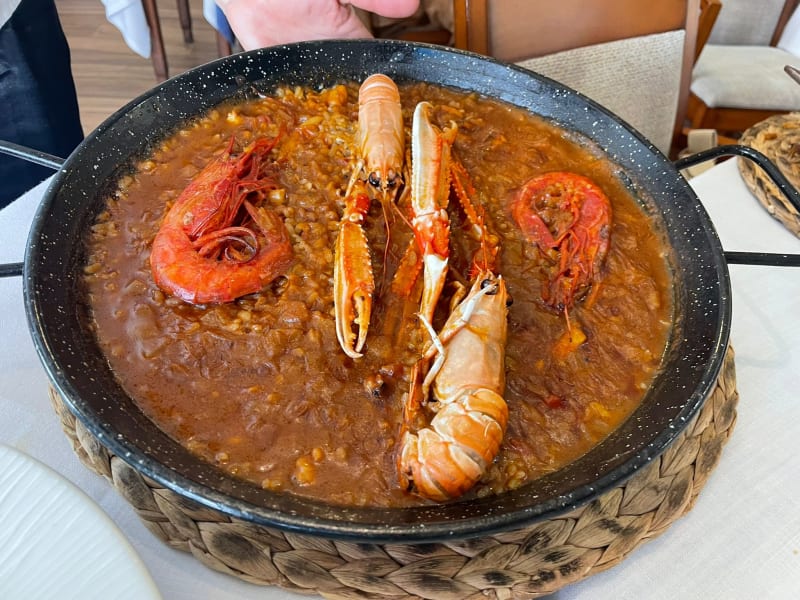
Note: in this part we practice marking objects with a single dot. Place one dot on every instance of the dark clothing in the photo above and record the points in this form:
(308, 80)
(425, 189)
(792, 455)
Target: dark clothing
(38, 103)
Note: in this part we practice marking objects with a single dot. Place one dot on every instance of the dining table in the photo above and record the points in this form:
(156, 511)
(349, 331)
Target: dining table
(741, 540)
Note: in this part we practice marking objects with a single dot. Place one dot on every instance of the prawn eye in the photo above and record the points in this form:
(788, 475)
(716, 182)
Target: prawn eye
(391, 180)
(509, 301)
(376, 181)
(486, 282)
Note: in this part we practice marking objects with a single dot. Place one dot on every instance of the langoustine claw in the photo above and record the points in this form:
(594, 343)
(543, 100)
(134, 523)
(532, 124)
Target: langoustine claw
(430, 191)
(435, 172)
(353, 283)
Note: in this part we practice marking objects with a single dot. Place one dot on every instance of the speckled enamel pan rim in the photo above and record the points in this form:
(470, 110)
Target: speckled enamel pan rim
(57, 315)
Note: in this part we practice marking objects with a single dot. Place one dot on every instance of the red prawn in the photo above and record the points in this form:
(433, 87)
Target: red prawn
(568, 217)
(218, 242)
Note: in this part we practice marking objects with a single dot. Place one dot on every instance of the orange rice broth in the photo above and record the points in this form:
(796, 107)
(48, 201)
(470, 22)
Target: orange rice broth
(260, 386)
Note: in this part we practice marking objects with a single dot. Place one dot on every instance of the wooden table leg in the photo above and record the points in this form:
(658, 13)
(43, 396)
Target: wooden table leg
(157, 53)
(186, 20)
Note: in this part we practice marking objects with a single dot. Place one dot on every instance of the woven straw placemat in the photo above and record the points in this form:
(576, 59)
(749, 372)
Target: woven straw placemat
(778, 138)
(526, 563)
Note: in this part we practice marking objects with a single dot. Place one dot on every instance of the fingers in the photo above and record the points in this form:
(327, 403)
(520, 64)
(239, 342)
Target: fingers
(393, 9)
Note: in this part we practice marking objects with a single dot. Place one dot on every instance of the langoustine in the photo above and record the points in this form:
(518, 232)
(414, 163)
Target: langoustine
(443, 459)
(380, 147)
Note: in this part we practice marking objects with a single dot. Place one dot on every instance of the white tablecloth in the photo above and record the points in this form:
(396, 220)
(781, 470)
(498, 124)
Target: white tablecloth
(741, 540)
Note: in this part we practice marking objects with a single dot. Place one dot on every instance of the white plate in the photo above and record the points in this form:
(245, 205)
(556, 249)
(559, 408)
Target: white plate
(55, 542)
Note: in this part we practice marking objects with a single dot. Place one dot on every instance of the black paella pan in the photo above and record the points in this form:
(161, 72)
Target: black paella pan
(78, 370)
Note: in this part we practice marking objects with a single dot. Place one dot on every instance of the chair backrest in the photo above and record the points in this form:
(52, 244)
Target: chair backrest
(622, 53)
(751, 22)
(514, 30)
(709, 11)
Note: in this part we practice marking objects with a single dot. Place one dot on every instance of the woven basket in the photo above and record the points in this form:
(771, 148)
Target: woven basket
(778, 138)
(526, 563)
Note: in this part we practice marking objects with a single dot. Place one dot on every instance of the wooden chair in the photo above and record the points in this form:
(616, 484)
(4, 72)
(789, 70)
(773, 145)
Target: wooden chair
(709, 11)
(426, 25)
(157, 53)
(634, 59)
(738, 80)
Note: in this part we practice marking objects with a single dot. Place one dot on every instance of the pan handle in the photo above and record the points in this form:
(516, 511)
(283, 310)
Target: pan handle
(34, 156)
(11, 270)
(31, 155)
(786, 188)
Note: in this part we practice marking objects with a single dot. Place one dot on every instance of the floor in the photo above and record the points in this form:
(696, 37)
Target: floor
(107, 73)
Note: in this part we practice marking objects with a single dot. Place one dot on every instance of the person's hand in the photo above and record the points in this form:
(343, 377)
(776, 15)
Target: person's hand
(259, 23)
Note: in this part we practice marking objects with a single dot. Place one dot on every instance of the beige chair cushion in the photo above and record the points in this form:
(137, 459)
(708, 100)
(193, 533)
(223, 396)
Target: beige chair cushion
(746, 77)
(746, 22)
(638, 79)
